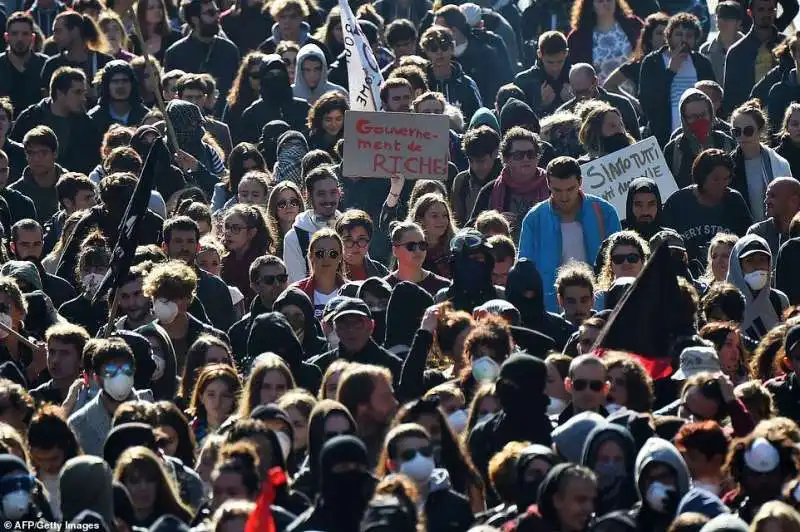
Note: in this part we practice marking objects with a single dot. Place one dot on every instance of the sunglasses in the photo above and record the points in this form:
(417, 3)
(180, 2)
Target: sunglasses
(630, 258)
(523, 154)
(332, 253)
(437, 46)
(580, 384)
(746, 131)
(112, 370)
(414, 246)
(269, 280)
(410, 454)
(282, 204)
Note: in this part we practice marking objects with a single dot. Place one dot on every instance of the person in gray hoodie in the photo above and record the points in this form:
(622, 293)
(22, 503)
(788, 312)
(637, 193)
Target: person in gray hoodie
(609, 451)
(311, 81)
(700, 131)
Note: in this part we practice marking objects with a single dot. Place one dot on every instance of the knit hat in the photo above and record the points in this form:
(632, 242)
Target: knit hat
(187, 121)
(23, 271)
(125, 436)
(85, 484)
(517, 113)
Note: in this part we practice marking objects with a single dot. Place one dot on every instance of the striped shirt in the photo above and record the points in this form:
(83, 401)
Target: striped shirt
(683, 80)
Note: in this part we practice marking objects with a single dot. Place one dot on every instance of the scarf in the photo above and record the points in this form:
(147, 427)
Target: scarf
(290, 154)
(533, 190)
(187, 121)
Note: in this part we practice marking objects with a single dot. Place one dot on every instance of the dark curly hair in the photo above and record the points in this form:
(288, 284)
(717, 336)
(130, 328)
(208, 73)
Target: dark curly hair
(583, 15)
(637, 382)
(332, 101)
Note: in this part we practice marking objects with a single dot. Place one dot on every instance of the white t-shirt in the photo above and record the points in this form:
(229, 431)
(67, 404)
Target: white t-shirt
(572, 245)
(320, 300)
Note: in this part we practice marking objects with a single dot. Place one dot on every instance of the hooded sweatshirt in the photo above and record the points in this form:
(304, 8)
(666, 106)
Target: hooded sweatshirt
(704, 502)
(659, 451)
(484, 117)
(101, 114)
(645, 229)
(294, 255)
(763, 309)
(85, 483)
(407, 305)
(313, 344)
(682, 150)
(301, 88)
(616, 490)
(517, 113)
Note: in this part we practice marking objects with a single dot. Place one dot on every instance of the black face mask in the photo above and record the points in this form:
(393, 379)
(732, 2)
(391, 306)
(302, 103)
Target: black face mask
(379, 317)
(615, 142)
(348, 492)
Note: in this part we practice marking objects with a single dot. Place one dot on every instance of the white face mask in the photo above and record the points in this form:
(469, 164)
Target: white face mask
(119, 386)
(458, 420)
(419, 468)
(485, 369)
(460, 49)
(91, 282)
(16, 503)
(7, 321)
(556, 406)
(286, 444)
(657, 495)
(756, 280)
(333, 340)
(165, 311)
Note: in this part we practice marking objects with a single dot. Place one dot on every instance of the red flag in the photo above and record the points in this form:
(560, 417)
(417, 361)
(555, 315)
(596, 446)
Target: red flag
(261, 519)
(657, 368)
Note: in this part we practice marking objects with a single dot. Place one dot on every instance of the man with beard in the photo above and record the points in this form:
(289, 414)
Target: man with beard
(20, 65)
(120, 102)
(643, 208)
(277, 102)
(203, 50)
(26, 243)
(181, 242)
(133, 305)
(64, 112)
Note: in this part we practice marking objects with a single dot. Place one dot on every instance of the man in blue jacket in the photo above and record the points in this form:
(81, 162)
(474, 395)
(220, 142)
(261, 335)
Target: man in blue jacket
(570, 225)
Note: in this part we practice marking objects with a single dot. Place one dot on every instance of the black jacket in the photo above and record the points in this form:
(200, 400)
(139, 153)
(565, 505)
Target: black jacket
(81, 311)
(530, 81)
(782, 93)
(239, 331)
(19, 205)
(791, 153)
(447, 510)
(372, 353)
(786, 266)
(459, 89)
(740, 68)
(23, 88)
(655, 82)
(79, 153)
(213, 293)
(621, 103)
(260, 112)
(786, 392)
(59, 290)
(245, 25)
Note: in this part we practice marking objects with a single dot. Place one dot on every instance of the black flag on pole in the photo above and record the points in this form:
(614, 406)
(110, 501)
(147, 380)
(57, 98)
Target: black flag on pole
(643, 323)
(122, 257)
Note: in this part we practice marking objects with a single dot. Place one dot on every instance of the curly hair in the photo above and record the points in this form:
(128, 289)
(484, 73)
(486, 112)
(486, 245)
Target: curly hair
(718, 332)
(591, 132)
(622, 238)
(253, 218)
(768, 358)
(583, 15)
(332, 101)
(789, 454)
(242, 94)
(638, 382)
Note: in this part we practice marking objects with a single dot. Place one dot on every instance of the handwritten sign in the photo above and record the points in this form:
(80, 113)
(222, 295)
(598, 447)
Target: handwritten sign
(384, 144)
(609, 176)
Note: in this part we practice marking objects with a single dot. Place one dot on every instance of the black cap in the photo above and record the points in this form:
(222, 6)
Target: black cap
(730, 10)
(755, 246)
(792, 340)
(352, 306)
(671, 238)
(331, 306)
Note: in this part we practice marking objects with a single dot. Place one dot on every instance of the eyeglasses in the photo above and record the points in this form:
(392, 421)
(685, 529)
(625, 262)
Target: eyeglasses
(361, 243)
(746, 131)
(269, 280)
(332, 253)
(410, 454)
(235, 229)
(630, 258)
(414, 246)
(522, 154)
(112, 370)
(282, 204)
(580, 384)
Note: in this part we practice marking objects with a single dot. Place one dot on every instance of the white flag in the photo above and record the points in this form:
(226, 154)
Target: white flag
(363, 73)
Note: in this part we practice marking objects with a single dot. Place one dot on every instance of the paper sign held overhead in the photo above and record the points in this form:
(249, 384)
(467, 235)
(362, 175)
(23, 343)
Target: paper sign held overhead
(609, 176)
(384, 144)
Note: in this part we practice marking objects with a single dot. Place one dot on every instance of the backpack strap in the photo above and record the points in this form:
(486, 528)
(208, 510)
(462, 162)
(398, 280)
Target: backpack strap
(303, 239)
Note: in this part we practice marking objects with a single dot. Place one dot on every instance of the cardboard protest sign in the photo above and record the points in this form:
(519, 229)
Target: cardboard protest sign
(384, 144)
(609, 176)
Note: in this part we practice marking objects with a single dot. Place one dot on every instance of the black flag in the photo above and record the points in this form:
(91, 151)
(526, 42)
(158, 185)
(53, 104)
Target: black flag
(122, 257)
(643, 322)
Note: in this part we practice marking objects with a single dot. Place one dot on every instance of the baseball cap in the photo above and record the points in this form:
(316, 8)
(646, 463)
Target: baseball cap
(756, 245)
(791, 340)
(669, 237)
(469, 240)
(697, 359)
(352, 306)
(762, 456)
(331, 306)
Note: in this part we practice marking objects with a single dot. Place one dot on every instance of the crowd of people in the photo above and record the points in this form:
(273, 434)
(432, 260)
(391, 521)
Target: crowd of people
(294, 349)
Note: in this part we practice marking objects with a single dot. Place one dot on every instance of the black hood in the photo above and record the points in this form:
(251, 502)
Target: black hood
(524, 277)
(166, 386)
(125, 436)
(517, 113)
(527, 491)
(295, 296)
(276, 89)
(316, 432)
(645, 229)
(271, 332)
(118, 66)
(547, 490)
(407, 305)
(624, 495)
(268, 143)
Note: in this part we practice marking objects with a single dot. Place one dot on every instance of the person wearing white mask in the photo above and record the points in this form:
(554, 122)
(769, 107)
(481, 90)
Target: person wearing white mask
(114, 366)
(93, 263)
(408, 450)
(16, 491)
(557, 368)
(171, 286)
(750, 270)
(51, 444)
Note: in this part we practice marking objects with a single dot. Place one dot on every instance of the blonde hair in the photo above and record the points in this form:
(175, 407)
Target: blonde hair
(786, 516)
(719, 239)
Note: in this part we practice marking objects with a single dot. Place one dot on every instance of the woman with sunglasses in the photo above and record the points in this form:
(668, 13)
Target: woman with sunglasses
(409, 248)
(710, 202)
(624, 256)
(755, 164)
(246, 238)
(432, 213)
(325, 255)
(285, 203)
